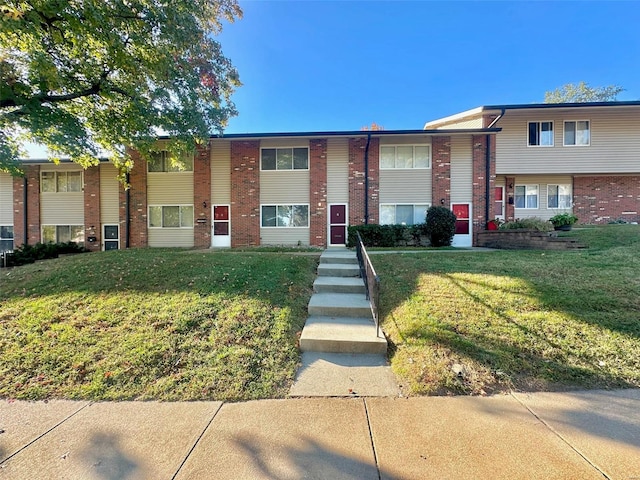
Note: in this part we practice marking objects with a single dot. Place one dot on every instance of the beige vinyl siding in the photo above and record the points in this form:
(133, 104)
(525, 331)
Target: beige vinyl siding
(338, 170)
(405, 140)
(109, 195)
(62, 208)
(6, 199)
(405, 186)
(461, 169)
(468, 123)
(171, 237)
(284, 187)
(170, 188)
(542, 181)
(221, 172)
(614, 148)
(284, 236)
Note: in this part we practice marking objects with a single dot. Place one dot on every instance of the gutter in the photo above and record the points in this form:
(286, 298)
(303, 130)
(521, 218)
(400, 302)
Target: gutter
(24, 210)
(366, 180)
(127, 221)
(487, 175)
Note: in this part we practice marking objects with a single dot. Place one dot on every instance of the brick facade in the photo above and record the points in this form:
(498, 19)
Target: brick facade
(318, 192)
(357, 213)
(137, 205)
(32, 228)
(600, 199)
(202, 197)
(479, 198)
(245, 193)
(441, 171)
(92, 208)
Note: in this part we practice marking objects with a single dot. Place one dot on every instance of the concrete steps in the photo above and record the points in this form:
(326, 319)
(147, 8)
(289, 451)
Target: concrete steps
(341, 335)
(338, 285)
(338, 270)
(339, 305)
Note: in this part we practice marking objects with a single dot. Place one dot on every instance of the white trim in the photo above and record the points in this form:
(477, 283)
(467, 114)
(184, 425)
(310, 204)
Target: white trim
(413, 145)
(307, 147)
(515, 187)
(576, 133)
(56, 225)
(559, 185)
(180, 212)
(459, 239)
(223, 240)
(504, 192)
(287, 205)
(66, 172)
(165, 159)
(346, 225)
(553, 133)
(105, 239)
(402, 204)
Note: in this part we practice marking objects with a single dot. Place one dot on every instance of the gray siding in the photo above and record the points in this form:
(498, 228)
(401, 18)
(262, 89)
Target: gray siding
(338, 170)
(109, 195)
(461, 169)
(171, 237)
(615, 143)
(6, 199)
(284, 187)
(221, 172)
(542, 181)
(405, 186)
(284, 236)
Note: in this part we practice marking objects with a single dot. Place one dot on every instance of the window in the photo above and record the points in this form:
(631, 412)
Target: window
(577, 133)
(6, 238)
(62, 233)
(405, 156)
(161, 162)
(541, 134)
(171, 216)
(558, 196)
(397, 214)
(286, 216)
(526, 196)
(285, 158)
(60, 181)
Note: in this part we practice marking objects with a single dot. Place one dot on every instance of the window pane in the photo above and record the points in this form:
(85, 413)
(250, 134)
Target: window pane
(285, 213)
(520, 196)
(61, 181)
(300, 158)
(532, 196)
(170, 217)
(419, 214)
(300, 215)
(269, 216)
(6, 245)
(156, 161)
(404, 214)
(48, 233)
(155, 216)
(63, 234)
(77, 233)
(546, 134)
(405, 157)
(552, 196)
(582, 135)
(533, 133)
(421, 157)
(387, 157)
(186, 216)
(48, 182)
(564, 196)
(269, 159)
(284, 158)
(74, 181)
(569, 133)
(387, 214)
(6, 232)
(221, 228)
(111, 232)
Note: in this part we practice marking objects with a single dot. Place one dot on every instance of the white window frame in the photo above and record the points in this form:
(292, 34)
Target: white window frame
(292, 169)
(285, 205)
(564, 130)
(55, 180)
(568, 186)
(181, 227)
(540, 122)
(166, 163)
(56, 226)
(395, 213)
(395, 146)
(6, 239)
(526, 187)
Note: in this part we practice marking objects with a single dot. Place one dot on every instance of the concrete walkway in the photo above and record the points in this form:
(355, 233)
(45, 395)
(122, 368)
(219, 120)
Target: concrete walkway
(578, 435)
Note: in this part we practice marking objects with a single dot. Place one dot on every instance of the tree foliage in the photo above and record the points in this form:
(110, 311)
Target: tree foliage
(581, 93)
(92, 76)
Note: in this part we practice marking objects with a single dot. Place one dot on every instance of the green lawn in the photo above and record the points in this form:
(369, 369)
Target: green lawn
(153, 324)
(533, 320)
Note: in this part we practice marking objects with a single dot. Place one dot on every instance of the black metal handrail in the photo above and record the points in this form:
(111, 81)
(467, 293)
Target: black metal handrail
(371, 280)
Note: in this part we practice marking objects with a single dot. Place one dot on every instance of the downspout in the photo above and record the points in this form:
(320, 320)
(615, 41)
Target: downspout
(24, 210)
(127, 221)
(487, 175)
(366, 180)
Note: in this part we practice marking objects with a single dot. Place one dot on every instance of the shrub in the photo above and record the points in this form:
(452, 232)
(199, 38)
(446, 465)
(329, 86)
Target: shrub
(387, 235)
(531, 223)
(441, 226)
(563, 219)
(25, 254)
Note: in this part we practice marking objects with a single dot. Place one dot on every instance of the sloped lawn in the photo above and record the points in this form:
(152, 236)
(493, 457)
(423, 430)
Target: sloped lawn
(153, 324)
(532, 320)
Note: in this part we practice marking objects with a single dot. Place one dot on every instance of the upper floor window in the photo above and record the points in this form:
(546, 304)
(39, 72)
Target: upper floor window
(171, 216)
(541, 134)
(161, 162)
(558, 196)
(285, 158)
(526, 196)
(577, 133)
(6, 238)
(285, 216)
(60, 181)
(405, 156)
(396, 214)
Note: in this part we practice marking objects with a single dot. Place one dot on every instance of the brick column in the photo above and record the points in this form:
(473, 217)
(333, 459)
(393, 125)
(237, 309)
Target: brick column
(600, 199)
(509, 193)
(32, 228)
(137, 204)
(479, 196)
(92, 208)
(245, 193)
(357, 148)
(441, 171)
(318, 192)
(202, 196)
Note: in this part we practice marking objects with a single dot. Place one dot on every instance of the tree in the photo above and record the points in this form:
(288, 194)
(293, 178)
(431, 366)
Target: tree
(96, 76)
(582, 92)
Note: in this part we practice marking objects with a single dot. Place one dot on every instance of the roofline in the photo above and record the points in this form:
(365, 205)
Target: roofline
(61, 160)
(525, 106)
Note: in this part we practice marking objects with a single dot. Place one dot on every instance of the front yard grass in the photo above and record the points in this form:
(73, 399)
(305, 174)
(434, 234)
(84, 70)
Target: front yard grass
(475, 323)
(162, 324)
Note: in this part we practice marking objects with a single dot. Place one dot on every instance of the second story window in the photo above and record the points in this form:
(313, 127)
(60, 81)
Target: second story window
(405, 156)
(540, 134)
(285, 158)
(577, 133)
(60, 181)
(161, 162)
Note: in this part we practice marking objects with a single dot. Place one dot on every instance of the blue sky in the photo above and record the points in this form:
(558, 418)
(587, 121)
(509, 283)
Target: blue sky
(340, 65)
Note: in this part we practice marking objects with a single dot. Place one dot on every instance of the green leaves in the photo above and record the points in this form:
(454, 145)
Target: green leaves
(582, 92)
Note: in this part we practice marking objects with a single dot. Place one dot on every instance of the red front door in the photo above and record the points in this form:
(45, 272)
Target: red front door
(338, 224)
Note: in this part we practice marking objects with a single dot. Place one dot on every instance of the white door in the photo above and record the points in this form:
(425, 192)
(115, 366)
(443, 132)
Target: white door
(464, 235)
(221, 229)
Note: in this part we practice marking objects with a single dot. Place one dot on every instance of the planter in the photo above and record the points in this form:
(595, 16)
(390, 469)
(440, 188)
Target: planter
(491, 225)
(563, 228)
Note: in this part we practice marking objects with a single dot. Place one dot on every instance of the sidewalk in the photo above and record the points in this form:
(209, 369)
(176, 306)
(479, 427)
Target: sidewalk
(576, 435)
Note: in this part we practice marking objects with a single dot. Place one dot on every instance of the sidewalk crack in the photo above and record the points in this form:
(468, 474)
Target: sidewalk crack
(373, 445)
